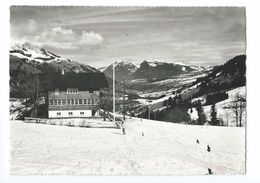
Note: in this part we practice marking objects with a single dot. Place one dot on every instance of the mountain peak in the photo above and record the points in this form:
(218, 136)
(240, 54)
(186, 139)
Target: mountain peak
(123, 70)
(32, 52)
(26, 46)
(27, 53)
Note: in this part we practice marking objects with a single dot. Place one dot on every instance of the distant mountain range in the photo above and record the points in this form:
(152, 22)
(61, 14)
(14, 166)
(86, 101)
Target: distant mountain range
(150, 71)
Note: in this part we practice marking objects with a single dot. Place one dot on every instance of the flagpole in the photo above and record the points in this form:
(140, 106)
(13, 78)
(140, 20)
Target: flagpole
(114, 92)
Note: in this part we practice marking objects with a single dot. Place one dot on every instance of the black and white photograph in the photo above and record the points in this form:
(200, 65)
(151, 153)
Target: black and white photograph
(127, 90)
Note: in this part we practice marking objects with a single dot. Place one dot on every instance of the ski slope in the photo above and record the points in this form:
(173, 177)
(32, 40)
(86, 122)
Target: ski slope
(148, 148)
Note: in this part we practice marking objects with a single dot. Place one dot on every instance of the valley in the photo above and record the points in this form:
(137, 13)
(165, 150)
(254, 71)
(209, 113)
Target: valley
(149, 86)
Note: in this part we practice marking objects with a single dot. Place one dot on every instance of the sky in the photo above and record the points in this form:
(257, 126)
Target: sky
(97, 36)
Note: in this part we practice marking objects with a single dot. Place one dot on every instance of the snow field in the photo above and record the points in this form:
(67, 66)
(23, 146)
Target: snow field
(148, 148)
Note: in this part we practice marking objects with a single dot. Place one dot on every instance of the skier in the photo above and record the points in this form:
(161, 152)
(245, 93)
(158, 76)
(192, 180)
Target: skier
(123, 128)
(208, 148)
(209, 169)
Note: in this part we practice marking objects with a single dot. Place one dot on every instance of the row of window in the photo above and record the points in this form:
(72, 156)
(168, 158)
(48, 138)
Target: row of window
(74, 91)
(70, 113)
(74, 102)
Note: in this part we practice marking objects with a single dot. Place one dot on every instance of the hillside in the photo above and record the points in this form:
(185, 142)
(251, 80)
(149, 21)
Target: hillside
(27, 60)
(163, 149)
(208, 89)
(166, 86)
(224, 112)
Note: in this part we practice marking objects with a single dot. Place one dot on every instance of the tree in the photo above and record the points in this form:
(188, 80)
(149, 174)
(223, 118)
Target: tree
(201, 115)
(238, 106)
(242, 107)
(177, 114)
(227, 115)
(28, 87)
(164, 102)
(104, 102)
(35, 95)
(213, 115)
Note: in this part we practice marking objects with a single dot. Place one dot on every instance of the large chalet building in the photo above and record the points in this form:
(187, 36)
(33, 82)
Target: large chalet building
(75, 94)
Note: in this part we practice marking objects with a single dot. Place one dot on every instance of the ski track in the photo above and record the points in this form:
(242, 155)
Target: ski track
(165, 149)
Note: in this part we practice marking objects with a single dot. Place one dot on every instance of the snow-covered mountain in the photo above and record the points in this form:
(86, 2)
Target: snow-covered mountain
(26, 59)
(184, 66)
(161, 70)
(34, 53)
(123, 70)
(149, 70)
(27, 56)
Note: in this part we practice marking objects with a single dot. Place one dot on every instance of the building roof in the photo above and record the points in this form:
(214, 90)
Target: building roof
(76, 80)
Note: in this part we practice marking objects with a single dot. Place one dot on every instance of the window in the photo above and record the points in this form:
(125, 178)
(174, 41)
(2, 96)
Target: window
(93, 102)
(76, 101)
(63, 101)
(59, 102)
(89, 101)
(72, 101)
(54, 102)
(68, 101)
(81, 113)
(72, 91)
(70, 113)
(85, 101)
(91, 91)
(51, 102)
(80, 101)
(58, 113)
(56, 92)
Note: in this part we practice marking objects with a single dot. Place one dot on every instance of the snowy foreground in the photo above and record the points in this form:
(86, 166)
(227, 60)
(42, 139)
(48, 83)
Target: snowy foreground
(163, 149)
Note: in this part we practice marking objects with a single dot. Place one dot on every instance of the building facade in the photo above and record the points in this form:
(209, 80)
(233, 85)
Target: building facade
(75, 95)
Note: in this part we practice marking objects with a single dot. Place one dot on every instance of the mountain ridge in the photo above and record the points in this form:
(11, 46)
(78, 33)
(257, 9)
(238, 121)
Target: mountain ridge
(149, 70)
(44, 60)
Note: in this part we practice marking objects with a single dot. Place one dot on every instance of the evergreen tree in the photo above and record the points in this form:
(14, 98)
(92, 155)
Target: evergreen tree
(213, 115)
(201, 115)
(164, 103)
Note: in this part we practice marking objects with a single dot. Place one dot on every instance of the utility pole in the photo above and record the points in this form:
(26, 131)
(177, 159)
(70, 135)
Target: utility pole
(124, 99)
(148, 112)
(105, 102)
(114, 93)
(36, 93)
